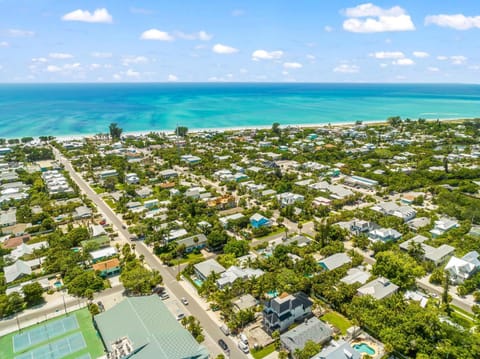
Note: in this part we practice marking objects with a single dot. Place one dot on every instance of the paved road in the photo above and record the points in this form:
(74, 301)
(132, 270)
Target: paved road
(153, 262)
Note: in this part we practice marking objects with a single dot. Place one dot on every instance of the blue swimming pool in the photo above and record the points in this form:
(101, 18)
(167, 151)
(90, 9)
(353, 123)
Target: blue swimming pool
(198, 282)
(364, 348)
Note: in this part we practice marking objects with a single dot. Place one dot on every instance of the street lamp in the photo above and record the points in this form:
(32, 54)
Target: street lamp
(64, 304)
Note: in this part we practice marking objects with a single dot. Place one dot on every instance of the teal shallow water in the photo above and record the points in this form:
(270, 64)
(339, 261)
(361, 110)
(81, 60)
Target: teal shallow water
(72, 109)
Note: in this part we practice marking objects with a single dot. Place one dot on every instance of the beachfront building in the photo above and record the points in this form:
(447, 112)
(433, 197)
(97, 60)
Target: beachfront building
(143, 328)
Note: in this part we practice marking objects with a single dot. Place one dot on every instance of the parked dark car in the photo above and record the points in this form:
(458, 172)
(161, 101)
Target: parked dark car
(222, 344)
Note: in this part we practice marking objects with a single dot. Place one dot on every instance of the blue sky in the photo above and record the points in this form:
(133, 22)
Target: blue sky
(233, 40)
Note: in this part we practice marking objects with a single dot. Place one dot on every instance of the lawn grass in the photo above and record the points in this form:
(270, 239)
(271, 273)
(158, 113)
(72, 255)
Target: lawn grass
(259, 354)
(460, 319)
(457, 309)
(92, 339)
(337, 320)
(188, 258)
(98, 190)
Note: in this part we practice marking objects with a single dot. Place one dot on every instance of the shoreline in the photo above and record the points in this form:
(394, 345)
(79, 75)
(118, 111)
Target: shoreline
(76, 137)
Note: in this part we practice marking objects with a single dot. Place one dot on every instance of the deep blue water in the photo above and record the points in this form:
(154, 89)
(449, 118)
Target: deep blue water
(64, 109)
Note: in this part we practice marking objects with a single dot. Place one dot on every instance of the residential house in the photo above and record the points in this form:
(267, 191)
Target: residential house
(132, 178)
(225, 221)
(167, 174)
(103, 253)
(442, 226)
(204, 269)
(289, 198)
(312, 329)
(16, 271)
(144, 192)
(392, 209)
(378, 288)
(384, 235)
(281, 312)
(190, 159)
(356, 275)
(24, 249)
(8, 218)
(418, 223)
(107, 268)
(96, 230)
(436, 255)
(357, 181)
(14, 242)
(298, 240)
(338, 350)
(335, 261)
(107, 173)
(463, 268)
(192, 243)
(151, 203)
(257, 221)
(233, 273)
(244, 302)
(82, 212)
(223, 202)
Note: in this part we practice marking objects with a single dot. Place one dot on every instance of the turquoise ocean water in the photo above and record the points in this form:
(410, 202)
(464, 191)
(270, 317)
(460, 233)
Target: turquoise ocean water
(72, 109)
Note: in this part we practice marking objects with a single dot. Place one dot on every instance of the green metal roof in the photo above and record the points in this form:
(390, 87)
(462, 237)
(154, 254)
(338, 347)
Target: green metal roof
(148, 323)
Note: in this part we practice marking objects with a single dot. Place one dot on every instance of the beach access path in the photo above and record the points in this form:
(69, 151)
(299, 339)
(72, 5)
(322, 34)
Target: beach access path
(211, 328)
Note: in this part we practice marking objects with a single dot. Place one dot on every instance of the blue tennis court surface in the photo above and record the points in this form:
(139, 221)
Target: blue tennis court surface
(57, 349)
(44, 333)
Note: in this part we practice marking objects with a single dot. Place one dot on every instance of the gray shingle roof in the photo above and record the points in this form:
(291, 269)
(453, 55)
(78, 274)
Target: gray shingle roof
(313, 329)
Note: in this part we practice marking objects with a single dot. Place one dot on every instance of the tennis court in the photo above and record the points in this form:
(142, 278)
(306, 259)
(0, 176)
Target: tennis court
(85, 356)
(44, 333)
(57, 349)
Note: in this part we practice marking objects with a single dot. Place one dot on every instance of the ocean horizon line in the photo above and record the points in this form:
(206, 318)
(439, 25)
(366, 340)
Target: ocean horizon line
(237, 82)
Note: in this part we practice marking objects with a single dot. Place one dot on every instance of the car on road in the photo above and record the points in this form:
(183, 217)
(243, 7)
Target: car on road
(184, 300)
(180, 316)
(124, 226)
(222, 344)
(225, 330)
(164, 296)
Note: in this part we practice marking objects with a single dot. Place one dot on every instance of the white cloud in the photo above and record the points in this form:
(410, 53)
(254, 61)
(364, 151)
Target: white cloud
(70, 67)
(388, 55)
(369, 9)
(172, 78)
(403, 62)
(346, 69)
(454, 21)
(421, 54)
(53, 68)
(224, 49)
(433, 69)
(474, 67)
(117, 77)
(60, 55)
(132, 73)
(101, 55)
(292, 65)
(366, 18)
(98, 16)
(95, 66)
(4, 44)
(154, 34)
(20, 33)
(383, 65)
(328, 28)
(266, 55)
(39, 59)
(458, 59)
(128, 60)
(243, 71)
(311, 57)
(201, 35)
(442, 58)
